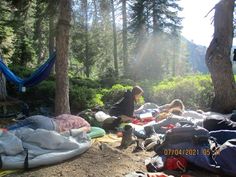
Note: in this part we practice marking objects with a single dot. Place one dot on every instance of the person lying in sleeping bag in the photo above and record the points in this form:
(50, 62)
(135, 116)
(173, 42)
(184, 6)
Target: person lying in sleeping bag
(217, 122)
(61, 123)
(212, 122)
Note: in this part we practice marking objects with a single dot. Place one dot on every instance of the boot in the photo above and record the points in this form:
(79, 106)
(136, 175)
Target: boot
(139, 146)
(127, 138)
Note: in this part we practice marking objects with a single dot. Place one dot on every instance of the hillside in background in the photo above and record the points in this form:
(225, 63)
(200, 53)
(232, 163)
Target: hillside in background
(196, 57)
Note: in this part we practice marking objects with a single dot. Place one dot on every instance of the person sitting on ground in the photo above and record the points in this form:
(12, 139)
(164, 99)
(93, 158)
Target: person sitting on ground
(61, 123)
(124, 108)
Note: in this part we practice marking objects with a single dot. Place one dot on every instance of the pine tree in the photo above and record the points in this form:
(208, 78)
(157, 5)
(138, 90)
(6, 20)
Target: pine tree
(125, 38)
(218, 58)
(62, 43)
(154, 23)
(114, 39)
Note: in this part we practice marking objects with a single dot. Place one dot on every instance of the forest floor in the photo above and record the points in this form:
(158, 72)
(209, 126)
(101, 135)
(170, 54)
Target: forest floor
(102, 160)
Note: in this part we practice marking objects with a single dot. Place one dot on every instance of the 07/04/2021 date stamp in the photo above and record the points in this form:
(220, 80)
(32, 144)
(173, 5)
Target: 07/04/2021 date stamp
(190, 151)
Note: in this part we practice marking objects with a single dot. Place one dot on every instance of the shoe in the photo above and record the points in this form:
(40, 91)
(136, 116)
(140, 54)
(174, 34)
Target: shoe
(139, 146)
(151, 142)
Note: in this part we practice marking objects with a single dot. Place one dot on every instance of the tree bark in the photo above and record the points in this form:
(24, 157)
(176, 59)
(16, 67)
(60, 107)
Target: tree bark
(3, 90)
(52, 8)
(62, 46)
(154, 17)
(114, 39)
(87, 68)
(95, 12)
(124, 36)
(51, 37)
(218, 58)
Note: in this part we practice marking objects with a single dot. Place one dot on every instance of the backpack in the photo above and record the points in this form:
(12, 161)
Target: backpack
(190, 142)
(89, 116)
(194, 134)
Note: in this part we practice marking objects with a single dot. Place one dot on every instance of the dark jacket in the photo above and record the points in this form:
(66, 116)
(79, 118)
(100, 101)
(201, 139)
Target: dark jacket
(213, 123)
(125, 106)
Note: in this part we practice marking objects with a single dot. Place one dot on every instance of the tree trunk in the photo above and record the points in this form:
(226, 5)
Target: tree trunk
(124, 36)
(218, 58)
(154, 17)
(114, 39)
(87, 66)
(62, 46)
(3, 90)
(95, 13)
(52, 6)
(51, 37)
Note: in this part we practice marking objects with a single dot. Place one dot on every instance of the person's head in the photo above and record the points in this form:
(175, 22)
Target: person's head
(137, 92)
(176, 111)
(177, 103)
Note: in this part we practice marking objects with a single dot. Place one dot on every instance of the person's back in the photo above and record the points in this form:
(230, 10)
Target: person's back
(125, 106)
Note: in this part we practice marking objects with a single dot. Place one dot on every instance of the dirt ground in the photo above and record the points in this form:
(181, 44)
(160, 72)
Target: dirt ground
(101, 160)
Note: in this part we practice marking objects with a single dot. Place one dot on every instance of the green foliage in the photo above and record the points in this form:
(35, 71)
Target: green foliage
(6, 31)
(124, 81)
(24, 51)
(41, 95)
(165, 14)
(147, 86)
(84, 94)
(47, 89)
(83, 97)
(21, 71)
(110, 96)
(108, 78)
(195, 91)
(24, 30)
(85, 83)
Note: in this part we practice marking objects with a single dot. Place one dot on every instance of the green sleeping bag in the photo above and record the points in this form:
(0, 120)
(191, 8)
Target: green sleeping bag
(96, 132)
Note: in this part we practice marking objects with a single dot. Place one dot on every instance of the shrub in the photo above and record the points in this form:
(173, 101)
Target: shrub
(110, 96)
(21, 71)
(83, 97)
(125, 81)
(85, 83)
(108, 78)
(195, 91)
(147, 86)
(38, 96)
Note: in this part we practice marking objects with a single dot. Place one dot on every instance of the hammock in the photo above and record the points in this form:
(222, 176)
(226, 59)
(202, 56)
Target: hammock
(36, 77)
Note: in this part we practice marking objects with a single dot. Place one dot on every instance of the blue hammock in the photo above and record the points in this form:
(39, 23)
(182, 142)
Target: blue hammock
(36, 77)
